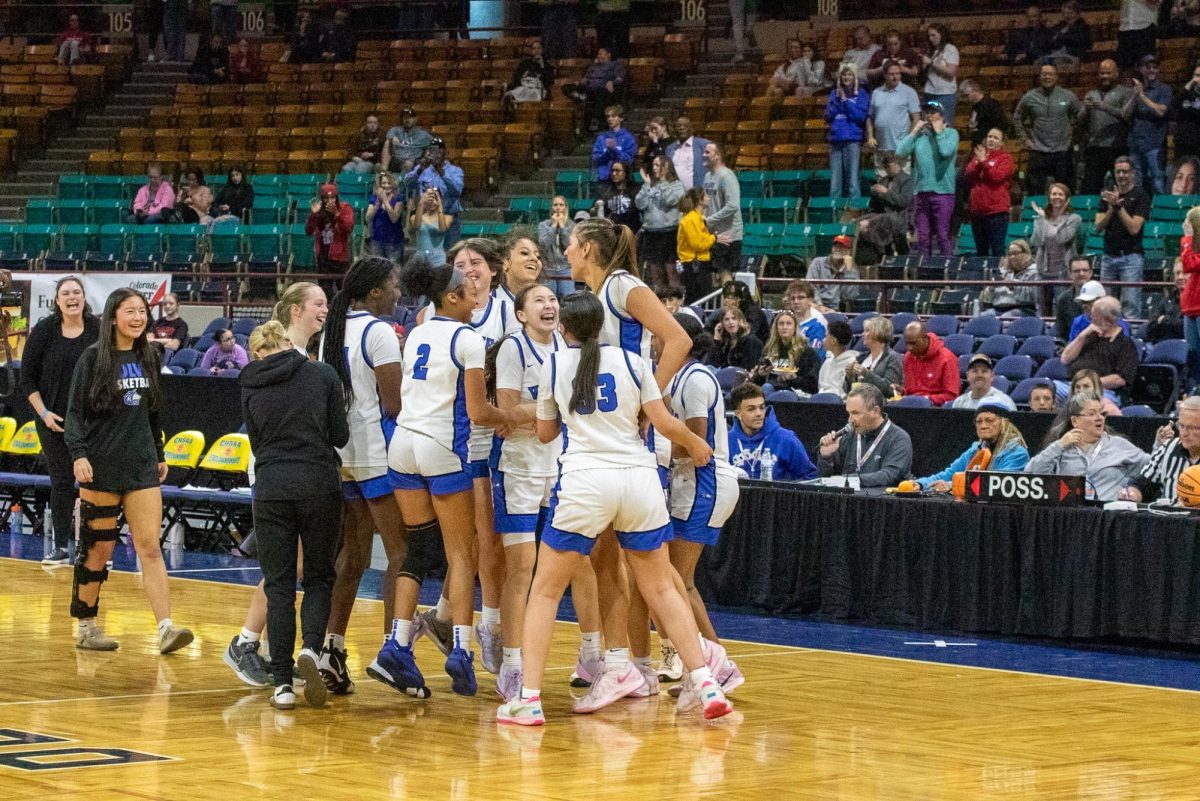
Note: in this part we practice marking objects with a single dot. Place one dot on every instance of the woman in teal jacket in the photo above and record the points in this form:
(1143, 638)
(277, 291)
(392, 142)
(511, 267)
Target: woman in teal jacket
(997, 433)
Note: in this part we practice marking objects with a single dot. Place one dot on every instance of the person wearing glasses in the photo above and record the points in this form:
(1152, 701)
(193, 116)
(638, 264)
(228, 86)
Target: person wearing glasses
(1107, 462)
(1176, 448)
(227, 354)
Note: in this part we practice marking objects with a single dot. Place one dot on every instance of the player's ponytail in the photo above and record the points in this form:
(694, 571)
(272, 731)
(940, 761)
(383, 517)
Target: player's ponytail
(616, 247)
(702, 340)
(582, 316)
(367, 273)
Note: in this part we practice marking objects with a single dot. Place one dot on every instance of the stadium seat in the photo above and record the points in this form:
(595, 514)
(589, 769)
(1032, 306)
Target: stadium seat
(1054, 369)
(187, 358)
(959, 344)
(783, 396)
(1025, 327)
(1001, 383)
(825, 397)
(857, 322)
(1137, 410)
(1024, 389)
(730, 377)
(982, 327)
(245, 325)
(942, 324)
(912, 402)
(998, 345)
(1039, 348)
(182, 454)
(1015, 368)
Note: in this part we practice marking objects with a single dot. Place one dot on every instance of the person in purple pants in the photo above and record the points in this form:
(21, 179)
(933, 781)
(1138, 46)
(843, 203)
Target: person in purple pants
(933, 146)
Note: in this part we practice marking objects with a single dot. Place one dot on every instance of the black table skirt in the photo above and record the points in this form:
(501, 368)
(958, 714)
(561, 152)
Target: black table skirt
(940, 565)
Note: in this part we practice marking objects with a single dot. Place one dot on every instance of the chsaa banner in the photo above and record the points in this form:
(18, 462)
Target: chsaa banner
(38, 289)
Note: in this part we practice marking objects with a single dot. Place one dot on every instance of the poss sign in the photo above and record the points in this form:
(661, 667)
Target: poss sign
(1050, 490)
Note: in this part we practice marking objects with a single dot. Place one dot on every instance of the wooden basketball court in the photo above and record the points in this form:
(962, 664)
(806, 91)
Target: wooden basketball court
(809, 724)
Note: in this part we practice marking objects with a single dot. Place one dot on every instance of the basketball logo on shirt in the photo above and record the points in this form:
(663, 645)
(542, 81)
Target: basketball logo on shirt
(131, 381)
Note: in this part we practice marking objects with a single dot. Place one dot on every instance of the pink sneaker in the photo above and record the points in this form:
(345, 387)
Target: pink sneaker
(708, 698)
(729, 677)
(587, 671)
(508, 683)
(714, 655)
(650, 688)
(610, 687)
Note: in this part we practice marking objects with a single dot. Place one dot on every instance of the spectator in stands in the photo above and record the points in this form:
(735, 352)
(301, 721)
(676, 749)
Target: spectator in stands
(1147, 110)
(934, 147)
(838, 358)
(330, 223)
(880, 366)
(1044, 119)
(798, 298)
(986, 112)
(385, 219)
(788, 361)
(801, 75)
(192, 179)
(554, 235)
(175, 26)
(340, 45)
(1041, 397)
(894, 50)
(618, 197)
(1184, 177)
(211, 64)
(861, 54)
(724, 217)
(988, 175)
(1027, 45)
(1087, 382)
(658, 202)
(876, 451)
(1104, 126)
(223, 18)
(1137, 31)
(1015, 293)
(1088, 294)
(996, 433)
(169, 331)
(614, 144)
(1124, 210)
(657, 139)
(941, 70)
(737, 294)
(366, 148)
(74, 44)
(244, 64)
(533, 77)
(1185, 19)
(195, 209)
(1187, 123)
(1104, 347)
(733, 344)
(1189, 299)
(404, 143)
(837, 265)
(930, 368)
(305, 44)
(742, 14)
(599, 87)
(236, 198)
(1166, 320)
(1055, 229)
(433, 170)
(48, 363)
(1071, 39)
(687, 154)
(693, 245)
(980, 391)
(756, 439)
(672, 300)
(1106, 461)
(155, 199)
(895, 108)
(884, 229)
(427, 226)
(846, 112)
(227, 354)
(1173, 453)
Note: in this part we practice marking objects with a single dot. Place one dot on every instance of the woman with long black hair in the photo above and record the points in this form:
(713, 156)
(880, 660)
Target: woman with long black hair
(115, 442)
(51, 353)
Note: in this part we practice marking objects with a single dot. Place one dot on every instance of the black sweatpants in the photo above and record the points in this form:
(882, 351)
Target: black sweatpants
(279, 525)
(62, 484)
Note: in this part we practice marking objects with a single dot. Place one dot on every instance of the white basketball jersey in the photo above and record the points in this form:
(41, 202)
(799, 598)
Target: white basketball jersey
(519, 366)
(695, 393)
(605, 434)
(369, 343)
(491, 322)
(620, 329)
(433, 400)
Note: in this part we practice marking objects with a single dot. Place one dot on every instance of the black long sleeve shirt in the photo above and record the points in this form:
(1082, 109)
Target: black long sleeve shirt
(49, 360)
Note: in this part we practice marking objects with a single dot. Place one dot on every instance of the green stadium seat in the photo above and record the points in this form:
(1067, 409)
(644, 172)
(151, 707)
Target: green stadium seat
(80, 238)
(226, 240)
(10, 237)
(789, 183)
(819, 183)
(353, 184)
(265, 241)
(753, 184)
(1027, 213)
(146, 241)
(827, 231)
(38, 239)
(573, 184)
(470, 229)
(269, 210)
(783, 210)
(577, 205)
(821, 210)
(40, 211)
(763, 229)
(185, 240)
(303, 187)
(1086, 203)
(749, 206)
(300, 245)
(74, 212)
(108, 211)
(1019, 230)
(268, 185)
(74, 187)
(799, 240)
(109, 187)
(99, 261)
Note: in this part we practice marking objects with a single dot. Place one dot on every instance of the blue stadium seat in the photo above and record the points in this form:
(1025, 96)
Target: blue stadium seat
(186, 358)
(1015, 368)
(825, 397)
(982, 327)
(913, 402)
(1137, 410)
(1025, 327)
(998, 346)
(1054, 369)
(960, 344)
(942, 324)
(1039, 348)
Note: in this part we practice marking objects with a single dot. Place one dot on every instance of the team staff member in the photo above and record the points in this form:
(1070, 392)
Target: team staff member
(879, 452)
(996, 432)
(295, 416)
(51, 353)
(115, 442)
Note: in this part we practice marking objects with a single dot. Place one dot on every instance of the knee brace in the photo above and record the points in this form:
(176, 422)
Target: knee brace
(423, 542)
(89, 536)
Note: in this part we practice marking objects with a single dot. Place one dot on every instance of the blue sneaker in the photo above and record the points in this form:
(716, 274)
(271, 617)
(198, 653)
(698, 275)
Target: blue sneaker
(460, 666)
(397, 668)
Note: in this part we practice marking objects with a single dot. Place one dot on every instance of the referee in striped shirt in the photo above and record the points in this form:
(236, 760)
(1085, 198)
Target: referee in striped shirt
(1171, 456)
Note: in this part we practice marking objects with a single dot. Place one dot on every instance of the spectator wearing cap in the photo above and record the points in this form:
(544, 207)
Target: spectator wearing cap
(404, 143)
(1044, 119)
(330, 224)
(613, 145)
(1147, 111)
(1066, 305)
(988, 174)
(837, 265)
(1041, 397)
(1121, 219)
(1015, 292)
(434, 171)
(996, 433)
(838, 356)
(980, 390)
(934, 147)
(366, 148)
(1104, 346)
(895, 108)
(1089, 293)
(930, 368)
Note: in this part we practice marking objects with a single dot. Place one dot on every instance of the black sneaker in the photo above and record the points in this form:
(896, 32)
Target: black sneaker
(58, 556)
(334, 671)
(244, 660)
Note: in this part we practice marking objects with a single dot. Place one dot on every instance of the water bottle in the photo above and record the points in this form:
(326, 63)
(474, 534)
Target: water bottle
(16, 520)
(768, 467)
(47, 530)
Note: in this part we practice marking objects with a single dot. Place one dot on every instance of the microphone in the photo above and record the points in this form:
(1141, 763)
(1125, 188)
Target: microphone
(843, 431)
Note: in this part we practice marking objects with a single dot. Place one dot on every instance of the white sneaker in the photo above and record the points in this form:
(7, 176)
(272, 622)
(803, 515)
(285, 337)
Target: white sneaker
(729, 677)
(714, 655)
(284, 697)
(315, 691)
(707, 698)
(94, 639)
(610, 687)
(491, 649)
(670, 667)
(650, 688)
(587, 670)
(508, 683)
(172, 639)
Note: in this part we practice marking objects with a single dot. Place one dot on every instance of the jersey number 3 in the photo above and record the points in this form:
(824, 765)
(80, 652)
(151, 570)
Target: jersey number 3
(421, 365)
(606, 395)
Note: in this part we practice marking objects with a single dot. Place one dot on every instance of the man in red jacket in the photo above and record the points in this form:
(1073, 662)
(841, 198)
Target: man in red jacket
(930, 368)
(330, 224)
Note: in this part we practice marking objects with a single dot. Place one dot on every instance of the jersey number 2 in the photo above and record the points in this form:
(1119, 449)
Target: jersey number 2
(421, 365)
(606, 395)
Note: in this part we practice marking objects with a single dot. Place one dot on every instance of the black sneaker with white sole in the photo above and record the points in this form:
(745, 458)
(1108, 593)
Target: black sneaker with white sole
(58, 556)
(244, 660)
(334, 671)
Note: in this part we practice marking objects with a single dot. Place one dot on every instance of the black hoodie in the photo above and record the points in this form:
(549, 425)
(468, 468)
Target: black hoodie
(295, 415)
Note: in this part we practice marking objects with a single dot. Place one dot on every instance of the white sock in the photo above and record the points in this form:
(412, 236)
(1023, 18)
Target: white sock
(165, 624)
(86, 624)
(491, 619)
(248, 636)
(701, 675)
(337, 641)
(530, 692)
(589, 644)
(442, 611)
(401, 632)
(512, 658)
(462, 637)
(616, 659)
(642, 661)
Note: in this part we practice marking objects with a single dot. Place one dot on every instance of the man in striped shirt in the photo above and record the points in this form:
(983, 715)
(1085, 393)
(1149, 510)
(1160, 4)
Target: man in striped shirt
(1171, 456)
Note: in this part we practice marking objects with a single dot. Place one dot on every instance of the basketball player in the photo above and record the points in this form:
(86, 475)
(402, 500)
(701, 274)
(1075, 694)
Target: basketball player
(522, 262)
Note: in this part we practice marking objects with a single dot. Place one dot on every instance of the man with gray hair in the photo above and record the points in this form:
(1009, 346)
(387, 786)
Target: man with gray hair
(874, 449)
(1104, 347)
(1174, 452)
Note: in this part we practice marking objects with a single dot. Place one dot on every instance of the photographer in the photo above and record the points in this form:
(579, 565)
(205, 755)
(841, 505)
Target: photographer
(330, 223)
(433, 170)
